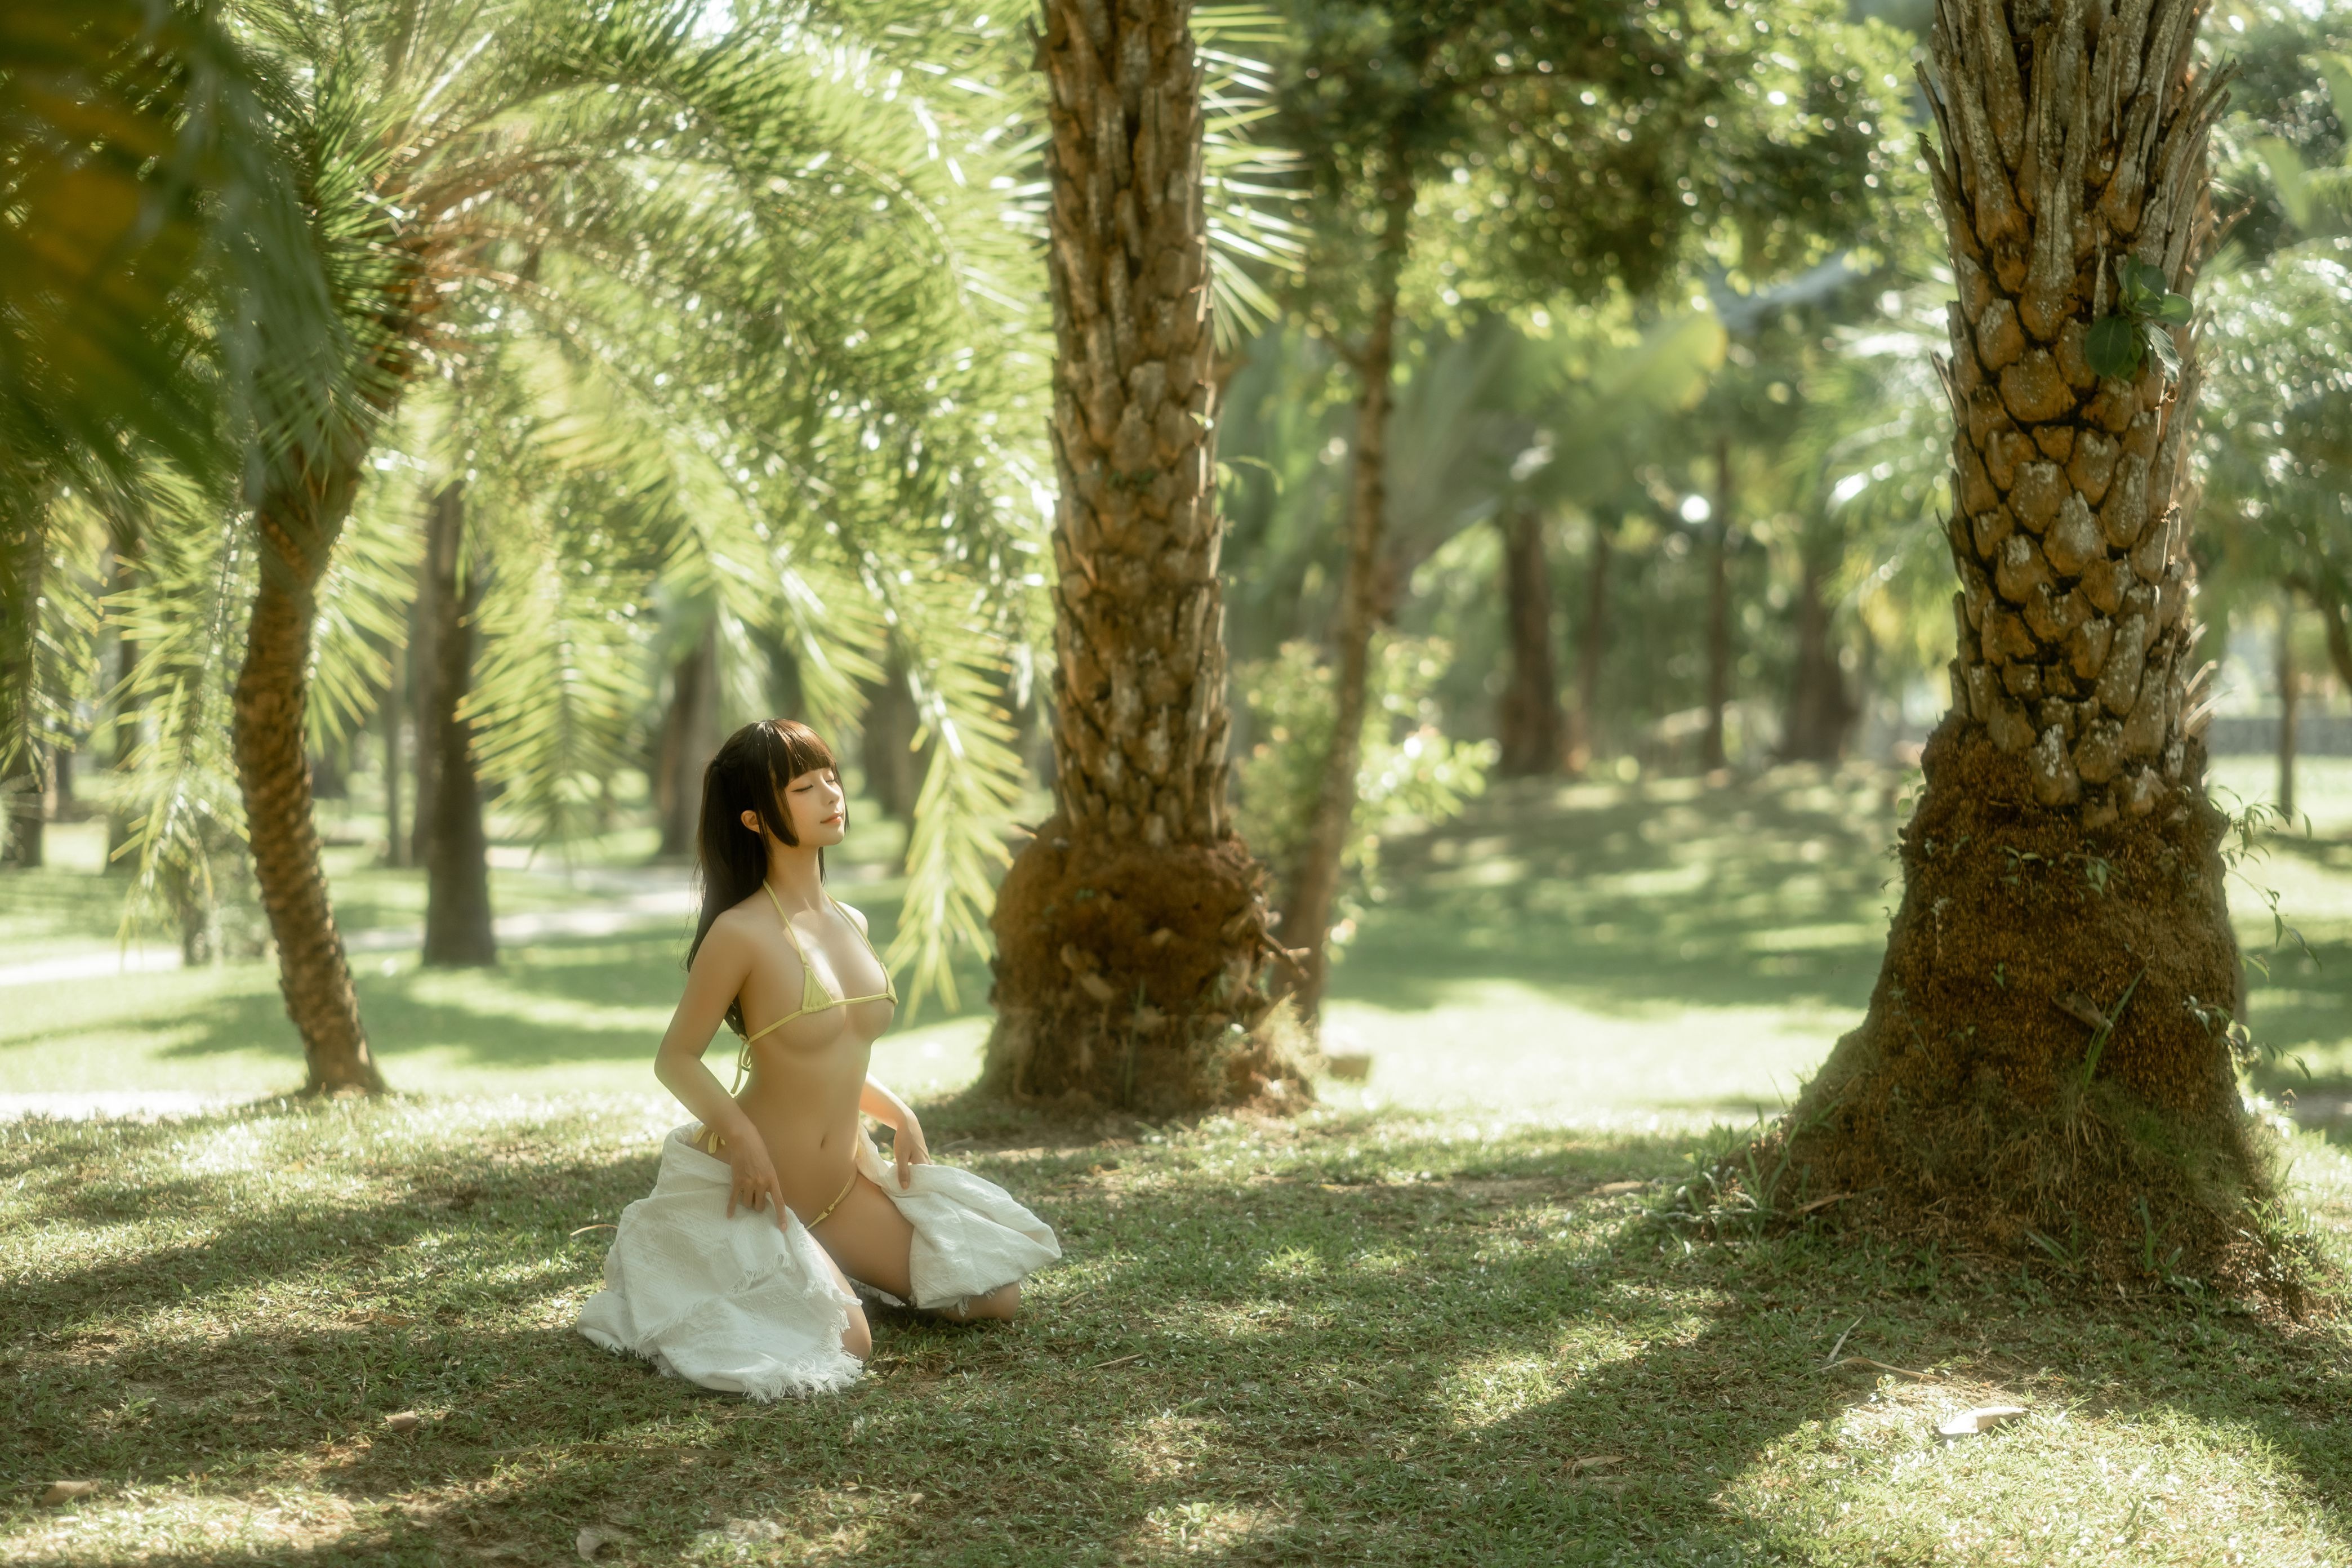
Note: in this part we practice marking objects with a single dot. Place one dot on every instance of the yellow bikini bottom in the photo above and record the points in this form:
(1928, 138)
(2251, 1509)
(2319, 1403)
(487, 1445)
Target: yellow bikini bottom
(710, 1143)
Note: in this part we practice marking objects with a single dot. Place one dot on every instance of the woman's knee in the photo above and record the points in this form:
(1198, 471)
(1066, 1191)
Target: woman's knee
(999, 1303)
(856, 1335)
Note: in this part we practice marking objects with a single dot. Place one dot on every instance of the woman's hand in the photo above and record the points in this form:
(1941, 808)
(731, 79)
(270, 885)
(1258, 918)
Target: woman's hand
(909, 1150)
(754, 1178)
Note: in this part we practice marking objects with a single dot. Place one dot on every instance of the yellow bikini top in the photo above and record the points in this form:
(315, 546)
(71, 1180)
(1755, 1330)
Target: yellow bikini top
(815, 997)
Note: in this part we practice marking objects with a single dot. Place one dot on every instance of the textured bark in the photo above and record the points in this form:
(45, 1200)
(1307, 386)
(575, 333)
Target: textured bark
(1712, 754)
(2046, 1052)
(1527, 723)
(458, 927)
(690, 739)
(298, 518)
(1131, 929)
(2288, 695)
(1313, 884)
(1821, 711)
(1585, 738)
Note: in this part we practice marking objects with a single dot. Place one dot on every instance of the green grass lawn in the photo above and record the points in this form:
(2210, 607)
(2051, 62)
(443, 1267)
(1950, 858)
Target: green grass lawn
(1430, 1322)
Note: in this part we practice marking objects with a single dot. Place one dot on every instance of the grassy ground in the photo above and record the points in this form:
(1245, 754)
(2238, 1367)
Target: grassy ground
(1429, 1323)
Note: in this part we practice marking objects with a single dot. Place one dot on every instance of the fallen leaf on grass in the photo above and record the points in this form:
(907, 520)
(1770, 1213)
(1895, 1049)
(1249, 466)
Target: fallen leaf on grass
(403, 1421)
(1615, 1189)
(1983, 1418)
(1822, 1203)
(66, 1492)
(384, 1320)
(1593, 1462)
(594, 1538)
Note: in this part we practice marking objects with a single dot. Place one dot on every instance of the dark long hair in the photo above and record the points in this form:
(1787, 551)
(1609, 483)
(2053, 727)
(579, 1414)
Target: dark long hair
(748, 774)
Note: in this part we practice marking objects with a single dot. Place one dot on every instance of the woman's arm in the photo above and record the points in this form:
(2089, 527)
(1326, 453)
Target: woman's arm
(720, 970)
(886, 1107)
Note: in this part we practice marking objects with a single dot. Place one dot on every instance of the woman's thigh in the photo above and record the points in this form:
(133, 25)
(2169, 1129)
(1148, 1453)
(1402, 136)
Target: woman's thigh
(870, 1239)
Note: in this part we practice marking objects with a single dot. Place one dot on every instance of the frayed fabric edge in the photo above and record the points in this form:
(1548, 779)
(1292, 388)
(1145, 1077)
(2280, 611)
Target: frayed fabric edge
(764, 1390)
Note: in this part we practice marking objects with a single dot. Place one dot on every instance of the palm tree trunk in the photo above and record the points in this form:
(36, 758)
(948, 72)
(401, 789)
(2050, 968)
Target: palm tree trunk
(689, 738)
(458, 929)
(2287, 697)
(1592, 646)
(2046, 1052)
(894, 767)
(1314, 882)
(266, 736)
(23, 540)
(1821, 709)
(395, 843)
(1719, 610)
(125, 740)
(1131, 929)
(1528, 720)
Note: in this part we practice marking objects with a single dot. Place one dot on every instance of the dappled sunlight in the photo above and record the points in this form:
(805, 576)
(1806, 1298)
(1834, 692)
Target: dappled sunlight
(2065, 1482)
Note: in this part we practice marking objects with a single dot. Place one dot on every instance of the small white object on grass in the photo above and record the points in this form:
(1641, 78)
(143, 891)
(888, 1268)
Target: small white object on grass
(1983, 1418)
(403, 1421)
(595, 1538)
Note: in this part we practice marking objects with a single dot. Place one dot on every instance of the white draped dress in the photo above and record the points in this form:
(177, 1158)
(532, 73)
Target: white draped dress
(747, 1307)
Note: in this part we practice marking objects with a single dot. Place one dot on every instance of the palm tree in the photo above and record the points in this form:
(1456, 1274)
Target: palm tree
(1131, 933)
(624, 179)
(2052, 1027)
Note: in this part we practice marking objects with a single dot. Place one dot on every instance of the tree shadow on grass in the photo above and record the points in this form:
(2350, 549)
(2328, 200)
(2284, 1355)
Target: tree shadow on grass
(1337, 1362)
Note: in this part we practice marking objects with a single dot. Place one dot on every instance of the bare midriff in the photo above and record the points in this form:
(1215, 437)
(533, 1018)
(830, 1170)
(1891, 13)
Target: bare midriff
(808, 1077)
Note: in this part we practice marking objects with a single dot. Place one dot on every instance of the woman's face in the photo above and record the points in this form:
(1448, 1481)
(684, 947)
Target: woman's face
(816, 808)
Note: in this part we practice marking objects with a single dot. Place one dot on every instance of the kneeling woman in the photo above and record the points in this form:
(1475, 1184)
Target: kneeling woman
(736, 1272)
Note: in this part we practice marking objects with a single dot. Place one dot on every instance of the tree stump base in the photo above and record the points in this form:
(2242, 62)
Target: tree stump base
(2047, 1065)
(1131, 978)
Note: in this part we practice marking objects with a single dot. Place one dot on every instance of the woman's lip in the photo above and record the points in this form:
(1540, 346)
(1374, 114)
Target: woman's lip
(834, 817)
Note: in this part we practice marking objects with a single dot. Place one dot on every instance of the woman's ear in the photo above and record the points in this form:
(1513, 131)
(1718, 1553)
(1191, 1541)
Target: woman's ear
(751, 820)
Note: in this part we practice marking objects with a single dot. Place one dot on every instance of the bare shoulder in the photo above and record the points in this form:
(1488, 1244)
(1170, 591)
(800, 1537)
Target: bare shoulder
(730, 938)
(856, 916)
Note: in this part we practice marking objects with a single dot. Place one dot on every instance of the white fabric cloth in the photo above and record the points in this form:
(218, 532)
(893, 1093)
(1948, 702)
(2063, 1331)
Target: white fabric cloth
(743, 1306)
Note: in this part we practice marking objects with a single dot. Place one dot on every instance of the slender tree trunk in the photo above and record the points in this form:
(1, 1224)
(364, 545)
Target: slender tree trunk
(457, 928)
(2045, 1063)
(395, 843)
(1821, 711)
(1130, 931)
(425, 665)
(1718, 609)
(2288, 694)
(272, 689)
(2336, 617)
(894, 769)
(125, 738)
(1528, 722)
(1313, 885)
(690, 739)
(23, 535)
(22, 797)
(1592, 646)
